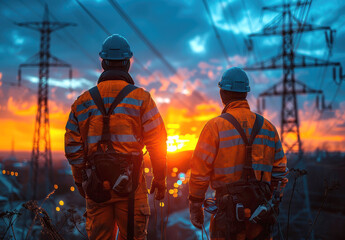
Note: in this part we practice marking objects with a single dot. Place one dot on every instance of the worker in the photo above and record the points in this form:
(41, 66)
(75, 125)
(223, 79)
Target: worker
(107, 129)
(240, 155)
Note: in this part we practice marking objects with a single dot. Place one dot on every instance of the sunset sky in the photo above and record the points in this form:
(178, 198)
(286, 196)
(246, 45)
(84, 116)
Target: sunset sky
(182, 32)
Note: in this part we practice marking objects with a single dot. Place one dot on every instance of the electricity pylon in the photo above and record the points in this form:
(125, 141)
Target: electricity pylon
(41, 150)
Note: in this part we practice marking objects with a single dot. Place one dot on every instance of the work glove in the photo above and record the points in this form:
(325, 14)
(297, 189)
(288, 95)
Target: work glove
(80, 189)
(161, 187)
(196, 214)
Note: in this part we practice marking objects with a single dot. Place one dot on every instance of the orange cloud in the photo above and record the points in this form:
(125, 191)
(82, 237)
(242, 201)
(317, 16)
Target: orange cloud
(316, 130)
(18, 124)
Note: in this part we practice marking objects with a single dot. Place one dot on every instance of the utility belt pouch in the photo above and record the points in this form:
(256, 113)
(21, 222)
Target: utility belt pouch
(93, 186)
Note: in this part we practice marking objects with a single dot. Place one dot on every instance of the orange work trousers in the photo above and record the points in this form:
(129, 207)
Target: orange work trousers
(103, 219)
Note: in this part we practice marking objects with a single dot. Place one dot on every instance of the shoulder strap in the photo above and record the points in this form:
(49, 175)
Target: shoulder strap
(259, 121)
(124, 92)
(96, 96)
(248, 171)
(236, 124)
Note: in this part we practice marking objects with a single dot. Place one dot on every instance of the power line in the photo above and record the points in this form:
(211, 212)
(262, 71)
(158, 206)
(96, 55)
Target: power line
(99, 24)
(226, 55)
(221, 3)
(129, 21)
(248, 17)
(93, 18)
(250, 25)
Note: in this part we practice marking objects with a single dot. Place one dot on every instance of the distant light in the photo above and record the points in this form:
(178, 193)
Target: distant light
(162, 100)
(12, 173)
(173, 174)
(175, 169)
(175, 190)
(61, 203)
(8, 172)
(175, 185)
(179, 182)
(57, 209)
(171, 191)
(72, 188)
(147, 170)
(3, 171)
(16, 173)
(175, 195)
(56, 186)
(161, 204)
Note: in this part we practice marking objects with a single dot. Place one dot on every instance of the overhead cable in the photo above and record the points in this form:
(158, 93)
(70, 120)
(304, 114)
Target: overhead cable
(108, 33)
(130, 22)
(226, 55)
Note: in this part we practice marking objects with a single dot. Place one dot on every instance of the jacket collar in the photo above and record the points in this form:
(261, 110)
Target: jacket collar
(236, 104)
(115, 75)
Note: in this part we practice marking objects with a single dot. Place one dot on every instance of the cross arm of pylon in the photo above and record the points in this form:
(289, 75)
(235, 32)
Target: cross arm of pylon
(300, 88)
(297, 28)
(281, 7)
(58, 25)
(271, 63)
(31, 25)
(55, 62)
(301, 61)
(39, 25)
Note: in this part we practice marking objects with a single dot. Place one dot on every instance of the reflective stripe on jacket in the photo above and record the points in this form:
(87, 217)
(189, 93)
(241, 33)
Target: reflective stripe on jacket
(135, 122)
(220, 153)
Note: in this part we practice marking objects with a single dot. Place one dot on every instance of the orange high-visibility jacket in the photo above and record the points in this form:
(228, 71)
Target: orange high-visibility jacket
(135, 122)
(220, 153)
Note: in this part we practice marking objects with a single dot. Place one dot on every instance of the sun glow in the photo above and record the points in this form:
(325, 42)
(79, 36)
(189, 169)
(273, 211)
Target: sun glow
(178, 142)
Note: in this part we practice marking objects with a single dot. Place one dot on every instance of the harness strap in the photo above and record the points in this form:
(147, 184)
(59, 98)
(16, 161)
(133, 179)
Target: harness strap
(96, 96)
(236, 124)
(248, 172)
(259, 121)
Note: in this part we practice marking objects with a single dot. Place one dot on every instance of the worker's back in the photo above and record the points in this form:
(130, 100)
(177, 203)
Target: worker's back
(131, 123)
(220, 153)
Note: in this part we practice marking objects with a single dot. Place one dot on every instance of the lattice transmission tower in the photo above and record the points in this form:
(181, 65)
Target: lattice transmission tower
(41, 149)
(290, 27)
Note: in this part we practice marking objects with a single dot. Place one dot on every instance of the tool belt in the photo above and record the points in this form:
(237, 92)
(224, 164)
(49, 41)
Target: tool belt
(111, 171)
(238, 200)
